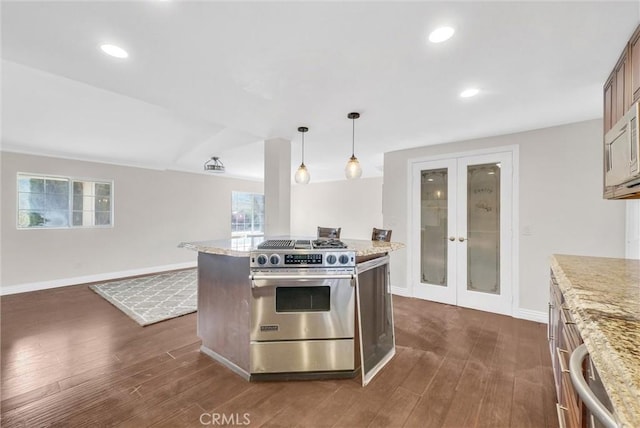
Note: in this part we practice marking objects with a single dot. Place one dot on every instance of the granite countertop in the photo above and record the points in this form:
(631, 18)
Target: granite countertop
(603, 296)
(240, 247)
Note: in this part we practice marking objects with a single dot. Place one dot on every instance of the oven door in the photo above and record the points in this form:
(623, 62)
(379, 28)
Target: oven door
(302, 305)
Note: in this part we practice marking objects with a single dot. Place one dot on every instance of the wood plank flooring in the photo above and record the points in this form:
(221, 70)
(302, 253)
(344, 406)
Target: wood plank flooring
(69, 358)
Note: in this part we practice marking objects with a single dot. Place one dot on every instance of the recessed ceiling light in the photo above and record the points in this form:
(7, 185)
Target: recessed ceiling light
(441, 34)
(114, 51)
(471, 92)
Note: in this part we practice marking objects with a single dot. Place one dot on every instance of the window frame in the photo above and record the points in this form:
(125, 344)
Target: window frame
(70, 180)
(246, 234)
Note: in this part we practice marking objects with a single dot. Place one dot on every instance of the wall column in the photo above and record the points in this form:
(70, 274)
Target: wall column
(277, 187)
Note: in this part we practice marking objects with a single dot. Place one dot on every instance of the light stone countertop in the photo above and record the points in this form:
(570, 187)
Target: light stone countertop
(603, 296)
(240, 247)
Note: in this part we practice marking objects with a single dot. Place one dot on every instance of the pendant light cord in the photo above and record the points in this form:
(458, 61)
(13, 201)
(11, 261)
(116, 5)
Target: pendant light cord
(303, 148)
(353, 138)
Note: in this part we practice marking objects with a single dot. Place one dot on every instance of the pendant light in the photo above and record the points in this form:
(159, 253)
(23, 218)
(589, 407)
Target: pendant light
(353, 169)
(302, 174)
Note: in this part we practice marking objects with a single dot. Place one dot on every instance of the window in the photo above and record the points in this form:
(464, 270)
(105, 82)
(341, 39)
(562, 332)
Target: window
(58, 202)
(247, 214)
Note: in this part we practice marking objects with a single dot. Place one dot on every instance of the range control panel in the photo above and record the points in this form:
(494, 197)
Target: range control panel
(303, 258)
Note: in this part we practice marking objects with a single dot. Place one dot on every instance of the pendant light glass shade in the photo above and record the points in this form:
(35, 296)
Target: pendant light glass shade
(302, 174)
(353, 168)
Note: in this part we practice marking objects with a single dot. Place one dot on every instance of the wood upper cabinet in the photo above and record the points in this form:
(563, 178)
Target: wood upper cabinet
(620, 91)
(617, 91)
(622, 87)
(634, 51)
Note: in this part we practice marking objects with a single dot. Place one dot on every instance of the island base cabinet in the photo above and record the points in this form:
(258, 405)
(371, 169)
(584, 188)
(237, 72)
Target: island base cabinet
(224, 324)
(224, 290)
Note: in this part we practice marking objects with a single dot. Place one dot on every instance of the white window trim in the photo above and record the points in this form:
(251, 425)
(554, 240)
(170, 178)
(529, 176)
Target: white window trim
(70, 180)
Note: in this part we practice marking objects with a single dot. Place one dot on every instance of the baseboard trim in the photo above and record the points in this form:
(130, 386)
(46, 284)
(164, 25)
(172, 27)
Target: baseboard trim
(64, 282)
(531, 315)
(520, 313)
(400, 291)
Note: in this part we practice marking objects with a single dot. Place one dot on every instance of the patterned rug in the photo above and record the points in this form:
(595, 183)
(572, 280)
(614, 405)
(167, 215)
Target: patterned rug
(153, 298)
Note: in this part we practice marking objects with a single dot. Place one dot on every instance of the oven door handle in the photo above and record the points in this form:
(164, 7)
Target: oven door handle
(296, 277)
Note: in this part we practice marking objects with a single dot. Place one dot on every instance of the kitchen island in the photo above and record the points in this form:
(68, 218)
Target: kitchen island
(238, 308)
(602, 298)
(241, 247)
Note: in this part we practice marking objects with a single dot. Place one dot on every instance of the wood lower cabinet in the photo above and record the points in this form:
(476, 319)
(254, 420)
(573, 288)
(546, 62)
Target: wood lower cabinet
(564, 337)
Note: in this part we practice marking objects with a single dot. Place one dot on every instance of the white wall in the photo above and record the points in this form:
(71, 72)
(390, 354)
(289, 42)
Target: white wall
(153, 212)
(633, 230)
(353, 205)
(561, 202)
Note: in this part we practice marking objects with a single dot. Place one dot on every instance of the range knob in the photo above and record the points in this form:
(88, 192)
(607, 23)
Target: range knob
(262, 259)
(344, 259)
(274, 259)
(331, 259)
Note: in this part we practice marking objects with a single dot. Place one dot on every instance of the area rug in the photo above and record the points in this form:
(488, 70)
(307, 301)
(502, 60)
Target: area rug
(154, 298)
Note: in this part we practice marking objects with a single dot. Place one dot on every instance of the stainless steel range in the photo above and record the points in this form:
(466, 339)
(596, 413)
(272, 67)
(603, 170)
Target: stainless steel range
(302, 308)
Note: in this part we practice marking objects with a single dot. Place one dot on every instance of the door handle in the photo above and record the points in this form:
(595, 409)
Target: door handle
(452, 238)
(461, 239)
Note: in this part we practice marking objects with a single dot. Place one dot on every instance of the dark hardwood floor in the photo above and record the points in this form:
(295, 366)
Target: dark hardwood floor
(71, 359)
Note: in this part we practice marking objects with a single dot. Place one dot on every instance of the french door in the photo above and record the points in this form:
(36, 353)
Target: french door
(461, 229)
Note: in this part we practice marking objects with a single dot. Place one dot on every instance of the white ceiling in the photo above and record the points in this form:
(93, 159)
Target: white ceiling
(219, 78)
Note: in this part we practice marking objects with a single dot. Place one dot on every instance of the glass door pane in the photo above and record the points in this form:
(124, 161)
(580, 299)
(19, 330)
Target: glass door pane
(433, 226)
(483, 228)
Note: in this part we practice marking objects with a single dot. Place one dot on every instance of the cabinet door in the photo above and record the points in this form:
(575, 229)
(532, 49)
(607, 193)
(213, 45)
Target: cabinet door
(634, 51)
(554, 330)
(608, 103)
(622, 98)
(375, 315)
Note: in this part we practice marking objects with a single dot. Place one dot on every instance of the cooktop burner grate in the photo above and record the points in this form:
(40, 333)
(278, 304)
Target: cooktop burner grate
(328, 243)
(277, 244)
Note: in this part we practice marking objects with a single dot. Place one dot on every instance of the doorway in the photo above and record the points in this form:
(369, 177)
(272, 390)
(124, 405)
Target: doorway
(462, 215)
